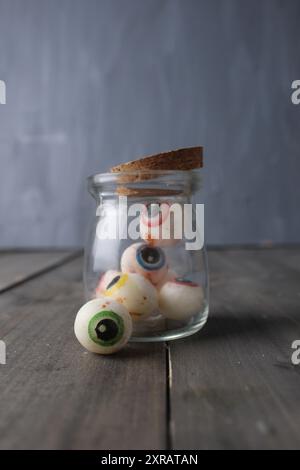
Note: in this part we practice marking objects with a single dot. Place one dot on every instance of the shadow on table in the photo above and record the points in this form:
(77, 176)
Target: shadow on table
(220, 326)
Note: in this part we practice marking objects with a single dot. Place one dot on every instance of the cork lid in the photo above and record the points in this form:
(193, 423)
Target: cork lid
(181, 160)
(150, 167)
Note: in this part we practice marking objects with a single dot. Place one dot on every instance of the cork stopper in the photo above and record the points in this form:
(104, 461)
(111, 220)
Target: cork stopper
(185, 159)
(181, 160)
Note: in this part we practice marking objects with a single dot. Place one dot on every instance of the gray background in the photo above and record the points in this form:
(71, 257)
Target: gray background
(95, 82)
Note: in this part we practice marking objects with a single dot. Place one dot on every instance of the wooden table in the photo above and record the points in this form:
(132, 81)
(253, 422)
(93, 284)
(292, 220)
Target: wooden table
(232, 385)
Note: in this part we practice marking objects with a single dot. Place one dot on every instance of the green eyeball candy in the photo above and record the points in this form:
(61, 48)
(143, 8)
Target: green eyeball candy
(103, 326)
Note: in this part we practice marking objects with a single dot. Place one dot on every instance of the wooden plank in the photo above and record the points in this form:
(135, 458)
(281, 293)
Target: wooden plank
(18, 266)
(54, 395)
(233, 385)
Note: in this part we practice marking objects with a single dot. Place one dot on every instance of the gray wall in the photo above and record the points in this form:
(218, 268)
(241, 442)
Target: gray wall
(95, 82)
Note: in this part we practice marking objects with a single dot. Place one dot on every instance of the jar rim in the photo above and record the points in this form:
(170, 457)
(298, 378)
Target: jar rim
(141, 176)
(146, 182)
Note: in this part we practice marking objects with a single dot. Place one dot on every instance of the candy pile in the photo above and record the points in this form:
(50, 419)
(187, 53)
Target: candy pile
(144, 286)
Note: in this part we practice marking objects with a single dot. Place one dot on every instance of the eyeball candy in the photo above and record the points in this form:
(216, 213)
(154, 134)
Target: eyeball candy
(105, 279)
(180, 299)
(149, 261)
(103, 326)
(171, 276)
(135, 292)
(159, 224)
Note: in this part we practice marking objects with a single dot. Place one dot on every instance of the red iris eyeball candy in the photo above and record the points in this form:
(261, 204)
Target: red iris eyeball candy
(161, 224)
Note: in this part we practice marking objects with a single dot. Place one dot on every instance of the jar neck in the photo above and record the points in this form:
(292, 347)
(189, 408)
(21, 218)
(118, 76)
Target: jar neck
(145, 185)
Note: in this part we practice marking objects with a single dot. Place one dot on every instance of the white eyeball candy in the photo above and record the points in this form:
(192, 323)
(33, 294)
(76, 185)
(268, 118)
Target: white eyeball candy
(158, 226)
(103, 326)
(149, 261)
(180, 299)
(105, 279)
(133, 291)
(171, 276)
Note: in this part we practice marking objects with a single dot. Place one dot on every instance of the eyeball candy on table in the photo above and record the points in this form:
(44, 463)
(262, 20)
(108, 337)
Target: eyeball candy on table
(149, 261)
(103, 326)
(135, 292)
(159, 224)
(105, 279)
(180, 299)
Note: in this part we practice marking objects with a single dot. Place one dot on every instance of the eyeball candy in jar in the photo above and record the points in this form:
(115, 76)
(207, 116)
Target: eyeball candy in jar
(161, 225)
(149, 261)
(180, 299)
(171, 276)
(135, 292)
(105, 279)
(103, 326)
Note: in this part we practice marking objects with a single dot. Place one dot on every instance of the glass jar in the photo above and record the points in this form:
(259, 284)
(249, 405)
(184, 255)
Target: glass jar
(145, 248)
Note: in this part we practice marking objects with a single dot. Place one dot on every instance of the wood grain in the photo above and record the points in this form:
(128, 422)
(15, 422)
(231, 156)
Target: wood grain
(233, 385)
(18, 266)
(54, 395)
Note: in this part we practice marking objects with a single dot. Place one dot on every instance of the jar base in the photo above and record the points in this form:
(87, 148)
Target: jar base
(171, 335)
